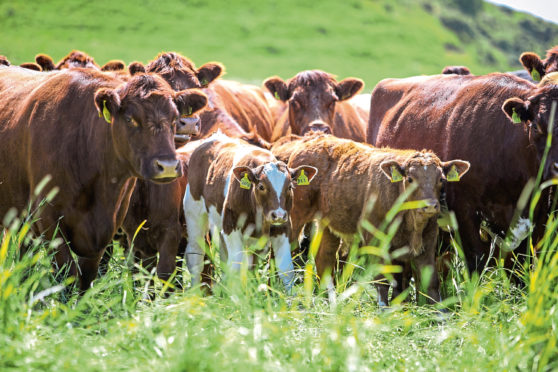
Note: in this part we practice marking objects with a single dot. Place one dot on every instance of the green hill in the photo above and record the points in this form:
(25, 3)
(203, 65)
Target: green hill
(371, 39)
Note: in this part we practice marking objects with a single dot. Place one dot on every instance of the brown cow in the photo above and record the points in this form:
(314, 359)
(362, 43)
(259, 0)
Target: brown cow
(537, 67)
(357, 181)
(74, 59)
(93, 134)
(317, 102)
(471, 117)
(242, 192)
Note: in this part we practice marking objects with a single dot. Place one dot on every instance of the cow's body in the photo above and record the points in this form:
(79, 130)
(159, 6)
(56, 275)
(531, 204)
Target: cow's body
(214, 197)
(351, 175)
(51, 125)
(463, 117)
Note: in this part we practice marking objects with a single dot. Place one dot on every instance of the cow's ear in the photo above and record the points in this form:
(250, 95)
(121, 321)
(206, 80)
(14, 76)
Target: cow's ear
(107, 102)
(245, 176)
(278, 88)
(455, 169)
(347, 88)
(209, 72)
(114, 65)
(393, 170)
(534, 64)
(189, 101)
(303, 175)
(46, 62)
(4, 61)
(31, 66)
(517, 110)
(136, 68)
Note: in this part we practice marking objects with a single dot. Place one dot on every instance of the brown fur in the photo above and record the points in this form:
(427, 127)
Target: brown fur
(31, 66)
(350, 176)
(531, 61)
(92, 162)
(458, 70)
(4, 61)
(462, 117)
(317, 102)
(114, 65)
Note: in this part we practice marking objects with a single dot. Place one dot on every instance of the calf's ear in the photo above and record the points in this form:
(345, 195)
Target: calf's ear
(278, 88)
(455, 169)
(347, 88)
(534, 64)
(303, 175)
(245, 176)
(190, 101)
(209, 72)
(46, 62)
(517, 110)
(107, 102)
(393, 170)
(114, 65)
(31, 66)
(136, 68)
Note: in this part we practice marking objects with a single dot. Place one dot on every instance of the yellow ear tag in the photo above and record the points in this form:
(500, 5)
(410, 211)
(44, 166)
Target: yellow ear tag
(204, 82)
(396, 176)
(453, 174)
(106, 112)
(276, 95)
(515, 117)
(535, 75)
(188, 114)
(245, 182)
(302, 179)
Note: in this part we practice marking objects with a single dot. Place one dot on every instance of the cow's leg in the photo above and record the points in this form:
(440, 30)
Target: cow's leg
(197, 227)
(64, 261)
(282, 251)
(167, 252)
(88, 267)
(401, 280)
(327, 253)
(382, 287)
(426, 263)
(236, 253)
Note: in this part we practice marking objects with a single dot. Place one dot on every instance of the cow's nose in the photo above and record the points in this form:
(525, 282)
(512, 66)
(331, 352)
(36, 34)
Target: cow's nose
(432, 207)
(278, 216)
(169, 168)
(188, 126)
(319, 126)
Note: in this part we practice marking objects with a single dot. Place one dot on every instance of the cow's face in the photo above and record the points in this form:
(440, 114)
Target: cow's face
(426, 173)
(534, 112)
(77, 59)
(142, 114)
(272, 186)
(312, 97)
(538, 67)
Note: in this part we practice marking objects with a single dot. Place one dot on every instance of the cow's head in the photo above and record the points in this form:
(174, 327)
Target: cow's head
(534, 113)
(538, 67)
(114, 65)
(427, 173)
(74, 59)
(456, 70)
(312, 96)
(142, 114)
(4, 61)
(271, 187)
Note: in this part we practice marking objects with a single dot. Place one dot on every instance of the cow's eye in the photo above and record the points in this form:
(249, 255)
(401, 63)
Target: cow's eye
(410, 179)
(132, 122)
(261, 187)
(290, 187)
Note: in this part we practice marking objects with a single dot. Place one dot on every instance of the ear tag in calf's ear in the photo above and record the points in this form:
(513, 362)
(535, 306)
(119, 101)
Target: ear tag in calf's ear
(396, 176)
(302, 179)
(106, 113)
(453, 174)
(204, 82)
(535, 75)
(245, 182)
(515, 117)
(189, 112)
(276, 95)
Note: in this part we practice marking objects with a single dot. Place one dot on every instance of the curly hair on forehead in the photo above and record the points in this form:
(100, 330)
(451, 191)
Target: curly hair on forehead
(169, 61)
(421, 158)
(311, 77)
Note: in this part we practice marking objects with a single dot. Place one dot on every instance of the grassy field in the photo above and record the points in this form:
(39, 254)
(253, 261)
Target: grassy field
(370, 39)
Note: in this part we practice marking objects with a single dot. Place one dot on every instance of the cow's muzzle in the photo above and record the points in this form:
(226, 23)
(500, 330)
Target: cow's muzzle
(166, 170)
(186, 128)
(432, 207)
(318, 126)
(278, 217)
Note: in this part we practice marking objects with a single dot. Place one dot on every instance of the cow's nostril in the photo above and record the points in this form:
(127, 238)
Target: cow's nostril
(160, 167)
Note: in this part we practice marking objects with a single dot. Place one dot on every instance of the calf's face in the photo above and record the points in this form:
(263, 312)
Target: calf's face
(142, 114)
(312, 97)
(271, 186)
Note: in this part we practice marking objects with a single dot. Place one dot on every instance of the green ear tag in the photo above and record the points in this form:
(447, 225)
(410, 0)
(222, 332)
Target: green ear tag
(245, 182)
(302, 180)
(515, 117)
(396, 176)
(204, 82)
(189, 110)
(106, 112)
(453, 174)
(535, 75)
(276, 96)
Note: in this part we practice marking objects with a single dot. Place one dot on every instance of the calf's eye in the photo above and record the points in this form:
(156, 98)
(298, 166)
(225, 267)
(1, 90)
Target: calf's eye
(409, 179)
(261, 187)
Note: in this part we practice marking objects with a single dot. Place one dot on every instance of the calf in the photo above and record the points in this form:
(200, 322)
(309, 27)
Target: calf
(242, 191)
(74, 59)
(317, 102)
(359, 182)
(94, 135)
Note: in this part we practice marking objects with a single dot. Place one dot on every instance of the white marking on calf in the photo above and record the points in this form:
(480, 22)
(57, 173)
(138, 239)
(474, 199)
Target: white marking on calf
(195, 213)
(235, 249)
(283, 260)
(519, 232)
(276, 177)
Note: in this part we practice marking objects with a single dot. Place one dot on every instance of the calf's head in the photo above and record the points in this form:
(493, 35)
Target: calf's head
(142, 114)
(427, 173)
(311, 98)
(271, 187)
(534, 113)
(538, 67)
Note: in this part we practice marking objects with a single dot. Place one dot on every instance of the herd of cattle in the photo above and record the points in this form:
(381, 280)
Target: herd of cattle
(191, 154)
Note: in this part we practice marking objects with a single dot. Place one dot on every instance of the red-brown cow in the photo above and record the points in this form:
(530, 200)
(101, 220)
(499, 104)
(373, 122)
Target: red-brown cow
(242, 192)
(93, 134)
(317, 102)
(537, 67)
(357, 181)
(74, 59)
(471, 117)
